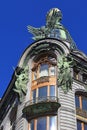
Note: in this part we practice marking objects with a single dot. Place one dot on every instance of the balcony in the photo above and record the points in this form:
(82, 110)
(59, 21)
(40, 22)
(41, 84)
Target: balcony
(41, 106)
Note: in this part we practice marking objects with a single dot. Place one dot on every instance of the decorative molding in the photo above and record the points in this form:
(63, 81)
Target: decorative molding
(43, 79)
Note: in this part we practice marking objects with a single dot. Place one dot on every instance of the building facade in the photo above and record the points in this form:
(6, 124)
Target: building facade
(48, 89)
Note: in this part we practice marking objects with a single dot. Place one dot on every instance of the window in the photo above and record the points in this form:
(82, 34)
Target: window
(41, 123)
(84, 78)
(77, 101)
(81, 102)
(44, 65)
(53, 123)
(43, 70)
(52, 70)
(44, 123)
(32, 125)
(52, 90)
(81, 125)
(76, 74)
(85, 126)
(34, 95)
(42, 91)
(84, 103)
(81, 109)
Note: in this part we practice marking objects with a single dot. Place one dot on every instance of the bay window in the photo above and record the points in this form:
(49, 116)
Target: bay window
(43, 92)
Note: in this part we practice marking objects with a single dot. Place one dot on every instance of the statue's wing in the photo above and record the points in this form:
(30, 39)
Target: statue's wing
(34, 31)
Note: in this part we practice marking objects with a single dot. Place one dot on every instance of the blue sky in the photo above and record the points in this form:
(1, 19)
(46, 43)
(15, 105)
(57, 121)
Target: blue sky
(15, 15)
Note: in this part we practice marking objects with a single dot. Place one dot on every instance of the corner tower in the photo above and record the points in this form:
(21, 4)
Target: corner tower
(48, 88)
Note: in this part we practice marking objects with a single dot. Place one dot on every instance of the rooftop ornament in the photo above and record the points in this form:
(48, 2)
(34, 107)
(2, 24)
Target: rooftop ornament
(52, 29)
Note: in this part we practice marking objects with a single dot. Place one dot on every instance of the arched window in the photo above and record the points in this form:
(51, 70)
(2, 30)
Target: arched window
(44, 66)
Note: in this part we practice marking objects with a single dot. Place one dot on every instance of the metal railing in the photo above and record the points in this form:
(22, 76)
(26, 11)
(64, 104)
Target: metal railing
(41, 100)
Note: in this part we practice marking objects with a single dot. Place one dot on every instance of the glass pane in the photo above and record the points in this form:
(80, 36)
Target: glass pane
(32, 125)
(52, 70)
(34, 95)
(41, 123)
(44, 70)
(79, 125)
(77, 101)
(52, 90)
(85, 126)
(42, 92)
(84, 103)
(52, 123)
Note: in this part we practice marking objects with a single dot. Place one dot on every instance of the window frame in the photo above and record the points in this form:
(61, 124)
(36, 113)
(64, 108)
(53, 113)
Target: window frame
(81, 97)
(48, 91)
(82, 125)
(35, 121)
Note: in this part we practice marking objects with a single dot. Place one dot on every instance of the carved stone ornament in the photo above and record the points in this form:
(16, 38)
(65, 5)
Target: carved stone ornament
(64, 73)
(21, 82)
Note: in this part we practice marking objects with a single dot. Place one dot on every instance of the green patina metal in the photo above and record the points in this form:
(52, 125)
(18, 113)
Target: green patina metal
(52, 29)
(64, 73)
(40, 109)
(21, 82)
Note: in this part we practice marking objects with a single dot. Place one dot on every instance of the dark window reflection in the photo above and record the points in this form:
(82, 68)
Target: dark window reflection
(43, 91)
(32, 125)
(85, 126)
(34, 95)
(84, 103)
(41, 123)
(77, 101)
(79, 125)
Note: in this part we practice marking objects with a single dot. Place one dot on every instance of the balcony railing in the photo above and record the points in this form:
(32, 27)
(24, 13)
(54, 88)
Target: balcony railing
(41, 106)
(42, 100)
